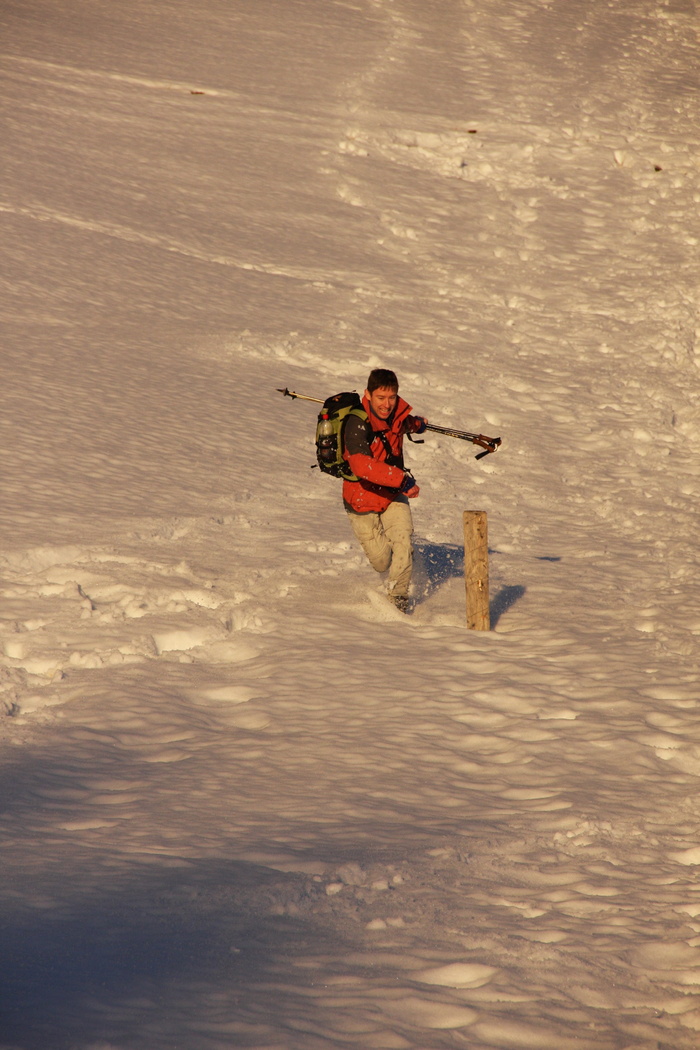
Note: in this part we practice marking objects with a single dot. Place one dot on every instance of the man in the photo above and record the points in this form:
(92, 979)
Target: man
(377, 502)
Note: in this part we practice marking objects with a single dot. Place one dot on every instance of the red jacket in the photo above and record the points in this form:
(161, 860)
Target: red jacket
(378, 481)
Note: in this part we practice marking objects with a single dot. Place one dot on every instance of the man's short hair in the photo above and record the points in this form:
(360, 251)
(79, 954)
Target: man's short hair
(382, 378)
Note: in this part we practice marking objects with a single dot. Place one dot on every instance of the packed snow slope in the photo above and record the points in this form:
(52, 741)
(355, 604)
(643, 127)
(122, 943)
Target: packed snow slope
(245, 803)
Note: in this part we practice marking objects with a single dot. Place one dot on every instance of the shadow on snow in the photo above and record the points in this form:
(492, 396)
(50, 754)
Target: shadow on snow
(436, 563)
(112, 946)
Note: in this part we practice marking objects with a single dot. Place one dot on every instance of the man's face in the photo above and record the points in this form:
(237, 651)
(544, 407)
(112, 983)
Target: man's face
(382, 401)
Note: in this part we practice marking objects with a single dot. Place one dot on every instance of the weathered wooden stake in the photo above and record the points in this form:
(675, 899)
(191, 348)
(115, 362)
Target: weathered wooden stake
(476, 569)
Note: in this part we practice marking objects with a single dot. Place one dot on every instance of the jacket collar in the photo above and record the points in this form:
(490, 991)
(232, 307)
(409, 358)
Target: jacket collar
(400, 412)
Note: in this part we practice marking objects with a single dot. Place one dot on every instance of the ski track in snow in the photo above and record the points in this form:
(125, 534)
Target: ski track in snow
(246, 802)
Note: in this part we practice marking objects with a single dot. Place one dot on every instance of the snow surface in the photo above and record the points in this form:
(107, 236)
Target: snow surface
(245, 802)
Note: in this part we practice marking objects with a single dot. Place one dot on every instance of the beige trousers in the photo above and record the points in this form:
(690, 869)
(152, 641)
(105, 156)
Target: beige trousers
(386, 540)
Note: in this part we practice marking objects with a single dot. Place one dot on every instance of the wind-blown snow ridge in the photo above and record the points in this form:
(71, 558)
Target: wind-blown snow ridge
(40, 213)
(81, 73)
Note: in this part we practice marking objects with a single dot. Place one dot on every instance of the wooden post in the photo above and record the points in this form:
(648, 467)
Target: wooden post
(476, 569)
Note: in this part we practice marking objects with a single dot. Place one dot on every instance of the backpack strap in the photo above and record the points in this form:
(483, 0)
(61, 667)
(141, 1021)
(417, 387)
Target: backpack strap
(391, 458)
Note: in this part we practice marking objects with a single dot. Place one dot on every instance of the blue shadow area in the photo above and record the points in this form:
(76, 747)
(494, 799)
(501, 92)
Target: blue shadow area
(504, 600)
(436, 563)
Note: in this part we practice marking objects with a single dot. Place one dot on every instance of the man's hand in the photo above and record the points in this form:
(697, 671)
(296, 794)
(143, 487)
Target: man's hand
(418, 425)
(408, 486)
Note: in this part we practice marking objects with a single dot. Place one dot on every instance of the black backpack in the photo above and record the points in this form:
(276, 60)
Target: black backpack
(329, 433)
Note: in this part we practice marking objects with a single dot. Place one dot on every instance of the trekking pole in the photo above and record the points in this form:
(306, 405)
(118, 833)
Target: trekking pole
(302, 397)
(487, 443)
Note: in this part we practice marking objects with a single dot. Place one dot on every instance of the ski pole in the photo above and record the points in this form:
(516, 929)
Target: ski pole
(302, 397)
(487, 443)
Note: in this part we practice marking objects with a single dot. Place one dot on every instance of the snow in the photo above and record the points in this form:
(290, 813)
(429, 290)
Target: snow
(247, 803)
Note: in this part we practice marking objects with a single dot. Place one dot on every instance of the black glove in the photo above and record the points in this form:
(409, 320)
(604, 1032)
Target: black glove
(408, 486)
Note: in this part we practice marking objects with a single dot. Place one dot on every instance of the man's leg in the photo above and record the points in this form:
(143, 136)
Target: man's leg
(398, 530)
(369, 531)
